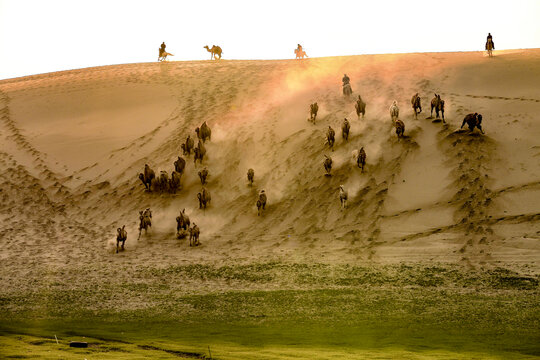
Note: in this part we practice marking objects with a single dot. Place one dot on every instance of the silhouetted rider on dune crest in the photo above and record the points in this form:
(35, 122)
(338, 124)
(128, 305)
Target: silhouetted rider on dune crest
(162, 49)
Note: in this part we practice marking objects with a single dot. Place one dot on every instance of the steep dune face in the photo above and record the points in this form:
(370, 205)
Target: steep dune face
(74, 143)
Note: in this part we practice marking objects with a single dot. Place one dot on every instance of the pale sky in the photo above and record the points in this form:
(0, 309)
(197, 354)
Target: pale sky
(38, 36)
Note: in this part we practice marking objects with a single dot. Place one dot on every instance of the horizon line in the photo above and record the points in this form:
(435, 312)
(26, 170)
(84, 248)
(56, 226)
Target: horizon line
(19, 78)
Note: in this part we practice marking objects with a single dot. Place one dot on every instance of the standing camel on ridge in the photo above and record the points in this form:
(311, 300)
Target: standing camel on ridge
(215, 52)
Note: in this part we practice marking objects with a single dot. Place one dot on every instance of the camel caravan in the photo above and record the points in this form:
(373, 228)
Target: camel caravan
(163, 183)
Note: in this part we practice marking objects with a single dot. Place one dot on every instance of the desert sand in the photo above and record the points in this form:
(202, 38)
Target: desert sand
(74, 142)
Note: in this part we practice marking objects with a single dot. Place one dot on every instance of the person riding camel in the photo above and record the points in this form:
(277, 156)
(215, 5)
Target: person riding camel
(299, 49)
(162, 48)
(488, 40)
(346, 80)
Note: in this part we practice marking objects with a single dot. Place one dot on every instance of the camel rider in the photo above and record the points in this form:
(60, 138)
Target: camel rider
(162, 48)
(490, 38)
(346, 80)
(299, 49)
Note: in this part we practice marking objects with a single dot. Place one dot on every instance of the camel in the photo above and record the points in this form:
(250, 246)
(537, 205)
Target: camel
(182, 221)
(345, 128)
(327, 165)
(360, 107)
(194, 233)
(473, 120)
(300, 53)
(343, 196)
(197, 156)
(156, 184)
(163, 55)
(490, 46)
(188, 146)
(147, 212)
(145, 221)
(361, 159)
(347, 90)
(394, 110)
(121, 236)
(416, 105)
(261, 202)
(203, 132)
(438, 104)
(313, 109)
(199, 152)
(330, 137)
(163, 181)
(215, 52)
(174, 182)
(147, 177)
(180, 165)
(251, 176)
(204, 198)
(203, 174)
(400, 128)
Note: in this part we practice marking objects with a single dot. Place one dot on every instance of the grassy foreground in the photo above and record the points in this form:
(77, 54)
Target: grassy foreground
(278, 311)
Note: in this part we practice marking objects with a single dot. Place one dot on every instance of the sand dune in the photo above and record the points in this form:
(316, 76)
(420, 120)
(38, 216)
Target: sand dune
(73, 143)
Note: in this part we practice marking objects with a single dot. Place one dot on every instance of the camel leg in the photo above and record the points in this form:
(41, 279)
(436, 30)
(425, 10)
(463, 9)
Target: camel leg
(117, 246)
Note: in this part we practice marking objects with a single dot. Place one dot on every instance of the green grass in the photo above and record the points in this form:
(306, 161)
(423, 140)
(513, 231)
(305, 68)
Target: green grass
(27, 346)
(317, 311)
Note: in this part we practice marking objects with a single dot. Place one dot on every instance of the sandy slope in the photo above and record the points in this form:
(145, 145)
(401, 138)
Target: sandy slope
(73, 143)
